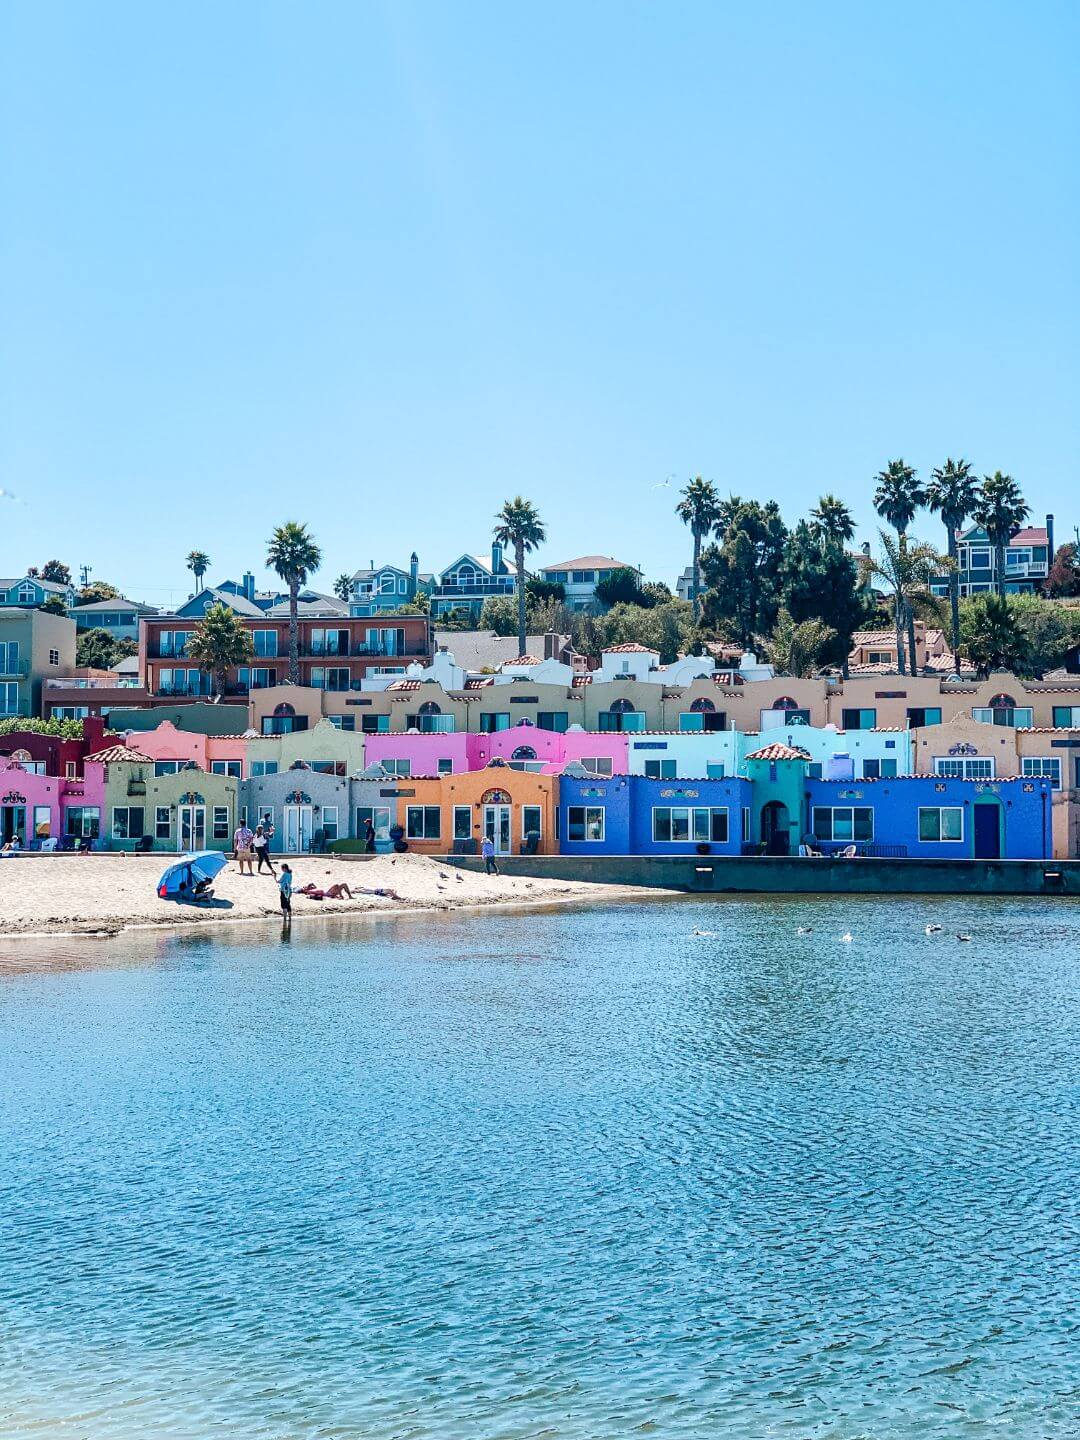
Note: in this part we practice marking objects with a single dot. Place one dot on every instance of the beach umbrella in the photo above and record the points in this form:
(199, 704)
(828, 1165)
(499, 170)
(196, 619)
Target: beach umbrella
(184, 874)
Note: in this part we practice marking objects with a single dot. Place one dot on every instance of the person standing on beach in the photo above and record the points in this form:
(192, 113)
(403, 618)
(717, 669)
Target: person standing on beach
(261, 846)
(369, 836)
(487, 850)
(242, 846)
(285, 890)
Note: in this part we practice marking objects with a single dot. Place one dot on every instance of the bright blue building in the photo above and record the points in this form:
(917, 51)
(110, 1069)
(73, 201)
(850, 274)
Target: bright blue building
(637, 815)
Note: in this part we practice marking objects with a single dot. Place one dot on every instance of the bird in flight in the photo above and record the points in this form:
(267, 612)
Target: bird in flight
(8, 495)
(664, 484)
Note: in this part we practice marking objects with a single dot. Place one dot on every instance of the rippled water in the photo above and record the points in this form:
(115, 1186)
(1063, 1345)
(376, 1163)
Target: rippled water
(578, 1174)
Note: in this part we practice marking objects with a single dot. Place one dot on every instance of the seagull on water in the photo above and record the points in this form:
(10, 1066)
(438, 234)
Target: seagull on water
(805, 930)
(933, 929)
(702, 934)
(963, 937)
(847, 937)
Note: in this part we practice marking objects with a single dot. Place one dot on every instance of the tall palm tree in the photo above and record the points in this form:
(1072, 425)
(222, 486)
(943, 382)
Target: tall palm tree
(293, 553)
(1001, 511)
(898, 497)
(905, 570)
(198, 562)
(518, 524)
(702, 509)
(219, 642)
(831, 520)
(953, 493)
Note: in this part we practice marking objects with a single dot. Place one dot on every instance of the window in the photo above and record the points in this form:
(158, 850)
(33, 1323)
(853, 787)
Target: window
(9, 697)
(379, 815)
(330, 822)
(583, 577)
(9, 657)
(858, 719)
(375, 724)
(956, 767)
(918, 716)
(263, 767)
(661, 769)
(678, 824)
(226, 767)
(1067, 717)
(401, 768)
(490, 723)
(714, 770)
(54, 657)
(259, 677)
(621, 716)
(1036, 765)
(429, 720)
(530, 821)
(462, 822)
(162, 822)
(127, 822)
(746, 826)
(979, 559)
(446, 766)
(880, 657)
(843, 823)
(941, 823)
(342, 722)
(793, 715)
(27, 593)
(220, 822)
(596, 764)
(585, 822)
(338, 678)
(82, 821)
(423, 822)
(1003, 714)
(879, 769)
(556, 720)
(166, 767)
(70, 712)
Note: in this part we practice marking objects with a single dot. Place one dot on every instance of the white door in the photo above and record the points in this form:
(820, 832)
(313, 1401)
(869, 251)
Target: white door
(298, 828)
(497, 827)
(191, 831)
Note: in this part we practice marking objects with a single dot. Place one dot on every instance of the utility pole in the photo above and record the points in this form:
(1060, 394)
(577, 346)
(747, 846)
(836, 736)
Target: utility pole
(84, 575)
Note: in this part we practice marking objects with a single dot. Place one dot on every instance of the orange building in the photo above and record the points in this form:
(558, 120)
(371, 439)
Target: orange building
(440, 815)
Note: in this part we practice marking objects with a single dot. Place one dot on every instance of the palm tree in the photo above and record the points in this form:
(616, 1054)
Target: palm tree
(219, 642)
(518, 524)
(293, 553)
(831, 521)
(897, 498)
(343, 588)
(198, 562)
(905, 570)
(953, 493)
(702, 509)
(1001, 511)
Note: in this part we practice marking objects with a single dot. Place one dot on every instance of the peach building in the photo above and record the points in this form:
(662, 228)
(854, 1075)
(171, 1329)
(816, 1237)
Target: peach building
(455, 812)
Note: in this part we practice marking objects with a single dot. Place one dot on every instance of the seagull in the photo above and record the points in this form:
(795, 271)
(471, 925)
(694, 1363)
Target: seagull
(933, 929)
(847, 938)
(805, 930)
(963, 937)
(702, 934)
(664, 484)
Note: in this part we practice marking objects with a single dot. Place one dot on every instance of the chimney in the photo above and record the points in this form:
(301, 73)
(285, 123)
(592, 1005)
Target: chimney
(1049, 541)
(249, 585)
(552, 645)
(496, 558)
(414, 574)
(93, 730)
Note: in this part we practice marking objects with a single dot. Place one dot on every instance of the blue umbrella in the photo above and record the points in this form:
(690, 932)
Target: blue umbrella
(180, 879)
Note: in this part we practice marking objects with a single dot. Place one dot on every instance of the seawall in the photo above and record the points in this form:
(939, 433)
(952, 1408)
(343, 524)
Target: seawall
(761, 874)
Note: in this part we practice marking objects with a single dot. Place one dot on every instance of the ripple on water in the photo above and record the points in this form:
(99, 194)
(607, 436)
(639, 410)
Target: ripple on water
(572, 1174)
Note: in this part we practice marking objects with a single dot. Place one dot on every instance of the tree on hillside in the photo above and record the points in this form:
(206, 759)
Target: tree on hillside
(989, 635)
(539, 591)
(53, 605)
(1001, 511)
(620, 587)
(219, 642)
(293, 554)
(97, 590)
(518, 524)
(744, 573)
(669, 629)
(897, 498)
(821, 582)
(830, 521)
(198, 562)
(700, 508)
(953, 493)
(799, 648)
(1048, 633)
(343, 588)
(56, 571)
(499, 615)
(904, 572)
(95, 649)
(1063, 581)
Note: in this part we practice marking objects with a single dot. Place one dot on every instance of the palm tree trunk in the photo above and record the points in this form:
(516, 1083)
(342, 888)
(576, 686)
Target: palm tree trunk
(294, 632)
(913, 653)
(900, 665)
(519, 561)
(999, 555)
(954, 599)
(695, 579)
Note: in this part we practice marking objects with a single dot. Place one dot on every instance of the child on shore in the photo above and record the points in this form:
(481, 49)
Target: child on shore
(285, 890)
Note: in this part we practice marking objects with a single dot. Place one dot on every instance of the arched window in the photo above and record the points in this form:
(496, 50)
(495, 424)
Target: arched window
(524, 752)
(429, 708)
(620, 707)
(785, 702)
(703, 705)
(284, 709)
(1003, 702)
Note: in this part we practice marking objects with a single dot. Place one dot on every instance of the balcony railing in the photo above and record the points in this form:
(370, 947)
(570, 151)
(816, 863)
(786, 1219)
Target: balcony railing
(191, 689)
(19, 671)
(505, 586)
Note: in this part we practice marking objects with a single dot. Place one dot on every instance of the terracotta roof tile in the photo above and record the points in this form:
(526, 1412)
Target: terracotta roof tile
(524, 660)
(114, 753)
(629, 647)
(776, 751)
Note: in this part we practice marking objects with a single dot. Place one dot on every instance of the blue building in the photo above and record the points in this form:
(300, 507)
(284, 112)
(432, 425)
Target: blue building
(463, 587)
(27, 592)
(383, 588)
(636, 815)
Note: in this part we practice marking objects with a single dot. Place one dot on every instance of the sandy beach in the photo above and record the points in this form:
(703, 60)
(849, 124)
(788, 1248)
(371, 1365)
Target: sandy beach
(73, 894)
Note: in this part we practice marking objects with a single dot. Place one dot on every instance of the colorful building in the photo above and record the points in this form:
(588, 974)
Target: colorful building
(515, 808)
(1028, 557)
(636, 815)
(35, 645)
(383, 588)
(579, 578)
(178, 810)
(463, 586)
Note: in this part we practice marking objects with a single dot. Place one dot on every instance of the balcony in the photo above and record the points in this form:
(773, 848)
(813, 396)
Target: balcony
(505, 586)
(19, 671)
(197, 691)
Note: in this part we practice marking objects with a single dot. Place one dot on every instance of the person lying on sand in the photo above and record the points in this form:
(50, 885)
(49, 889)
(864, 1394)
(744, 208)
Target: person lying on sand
(332, 892)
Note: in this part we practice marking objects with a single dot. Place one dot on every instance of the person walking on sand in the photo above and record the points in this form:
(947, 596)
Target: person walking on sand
(285, 890)
(242, 847)
(261, 845)
(369, 836)
(487, 850)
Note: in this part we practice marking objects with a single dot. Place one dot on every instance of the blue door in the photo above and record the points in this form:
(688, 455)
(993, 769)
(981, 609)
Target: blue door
(987, 832)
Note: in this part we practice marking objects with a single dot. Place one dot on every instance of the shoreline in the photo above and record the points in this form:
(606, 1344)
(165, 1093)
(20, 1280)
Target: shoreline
(89, 898)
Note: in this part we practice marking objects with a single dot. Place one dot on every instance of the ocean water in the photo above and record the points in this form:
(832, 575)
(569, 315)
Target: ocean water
(563, 1174)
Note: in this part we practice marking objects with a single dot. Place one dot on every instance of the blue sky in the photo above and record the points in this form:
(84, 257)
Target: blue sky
(379, 266)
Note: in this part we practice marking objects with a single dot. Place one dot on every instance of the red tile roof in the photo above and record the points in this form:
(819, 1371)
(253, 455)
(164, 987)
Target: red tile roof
(114, 753)
(776, 751)
(630, 647)
(524, 660)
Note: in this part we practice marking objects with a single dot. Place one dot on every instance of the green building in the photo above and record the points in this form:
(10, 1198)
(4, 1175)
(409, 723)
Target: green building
(35, 645)
(174, 813)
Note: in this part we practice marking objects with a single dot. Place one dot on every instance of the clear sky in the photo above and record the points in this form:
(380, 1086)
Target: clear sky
(378, 266)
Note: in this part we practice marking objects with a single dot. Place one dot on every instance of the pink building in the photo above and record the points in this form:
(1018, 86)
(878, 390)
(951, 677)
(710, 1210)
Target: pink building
(216, 754)
(40, 808)
(527, 746)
